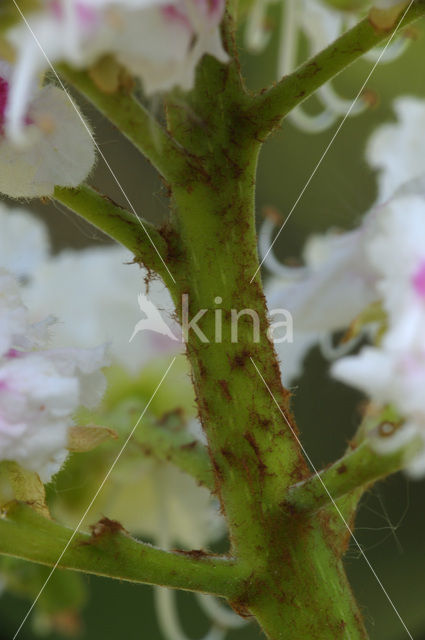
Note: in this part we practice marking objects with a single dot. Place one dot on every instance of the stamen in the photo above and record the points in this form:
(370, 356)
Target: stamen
(332, 352)
(256, 34)
(312, 123)
(265, 241)
(166, 606)
(339, 105)
(221, 615)
(393, 52)
(165, 599)
(288, 45)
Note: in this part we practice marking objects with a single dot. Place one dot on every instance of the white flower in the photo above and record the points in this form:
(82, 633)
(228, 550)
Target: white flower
(160, 42)
(395, 249)
(397, 150)
(383, 260)
(149, 497)
(39, 389)
(394, 372)
(390, 375)
(52, 146)
(326, 295)
(175, 38)
(24, 242)
(13, 315)
(334, 288)
(94, 294)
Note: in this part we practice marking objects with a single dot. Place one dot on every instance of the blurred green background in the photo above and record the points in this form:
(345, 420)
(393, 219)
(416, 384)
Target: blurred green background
(391, 521)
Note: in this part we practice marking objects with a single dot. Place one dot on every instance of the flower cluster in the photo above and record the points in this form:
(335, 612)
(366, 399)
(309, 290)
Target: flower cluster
(159, 42)
(40, 388)
(51, 147)
(106, 284)
(393, 372)
(395, 150)
(380, 263)
(44, 140)
(109, 299)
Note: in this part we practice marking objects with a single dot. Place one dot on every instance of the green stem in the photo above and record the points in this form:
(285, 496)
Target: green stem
(139, 236)
(216, 224)
(182, 450)
(135, 122)
(381, 466)
(297, 586)
(167, 440)
(274, 104)
(361, 467)
(313, 600)
(110, 552)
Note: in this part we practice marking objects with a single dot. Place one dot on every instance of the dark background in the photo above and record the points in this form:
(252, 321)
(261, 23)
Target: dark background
(391, 521)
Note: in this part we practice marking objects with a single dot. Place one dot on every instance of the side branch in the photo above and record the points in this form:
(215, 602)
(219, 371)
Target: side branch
(179, 448)
(274, 104)
(135, 122)
(166, 439)
(139, 236)
(111, 553)
(358, 469)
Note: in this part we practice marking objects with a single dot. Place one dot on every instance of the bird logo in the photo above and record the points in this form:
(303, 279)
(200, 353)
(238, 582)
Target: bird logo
(153, 320)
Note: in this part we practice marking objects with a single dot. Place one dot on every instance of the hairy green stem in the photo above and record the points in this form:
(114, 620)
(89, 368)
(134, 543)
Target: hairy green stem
(287, 570)
(362, 473)
(359, 468)
(135, 122)
(110, 552)
(295, 575)
(139, 236)
(274, 104)
(167, 440)
(179, 448)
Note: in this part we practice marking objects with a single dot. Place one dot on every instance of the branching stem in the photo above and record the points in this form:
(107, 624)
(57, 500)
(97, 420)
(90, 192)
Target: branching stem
(110, 552)
(274, 104)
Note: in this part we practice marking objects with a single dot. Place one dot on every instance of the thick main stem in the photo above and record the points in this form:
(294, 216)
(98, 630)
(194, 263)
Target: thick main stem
(297, 585)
